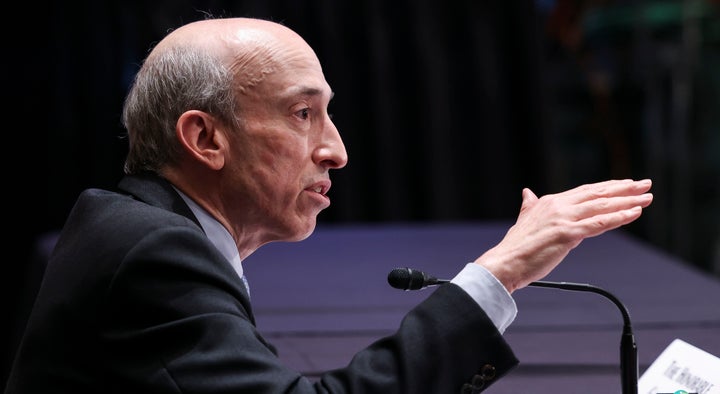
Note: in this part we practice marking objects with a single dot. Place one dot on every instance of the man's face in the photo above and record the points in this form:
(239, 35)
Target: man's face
(282, 156)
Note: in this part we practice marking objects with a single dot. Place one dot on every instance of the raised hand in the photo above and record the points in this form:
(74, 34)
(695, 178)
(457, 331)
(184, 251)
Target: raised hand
(549, 227)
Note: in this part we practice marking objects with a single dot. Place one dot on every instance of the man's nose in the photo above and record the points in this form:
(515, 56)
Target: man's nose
(331, 153)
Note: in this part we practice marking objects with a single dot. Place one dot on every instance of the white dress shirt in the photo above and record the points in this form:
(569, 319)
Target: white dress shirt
(489, 293)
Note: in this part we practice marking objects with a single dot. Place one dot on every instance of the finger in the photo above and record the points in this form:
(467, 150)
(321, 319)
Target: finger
(528, 199)
(528, 195)
(599, 224)
(612, 188)
(605, 205)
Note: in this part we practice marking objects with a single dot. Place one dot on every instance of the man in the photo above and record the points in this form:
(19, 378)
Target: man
(230, 148)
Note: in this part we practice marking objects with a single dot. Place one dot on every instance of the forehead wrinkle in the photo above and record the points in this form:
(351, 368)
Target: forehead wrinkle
(252, 63)
(251, 68)
(255, 54)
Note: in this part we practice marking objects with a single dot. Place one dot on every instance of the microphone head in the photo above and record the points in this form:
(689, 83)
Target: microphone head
(407, 279)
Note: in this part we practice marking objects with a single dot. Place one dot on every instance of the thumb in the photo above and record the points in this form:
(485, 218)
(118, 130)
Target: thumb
(528, 199)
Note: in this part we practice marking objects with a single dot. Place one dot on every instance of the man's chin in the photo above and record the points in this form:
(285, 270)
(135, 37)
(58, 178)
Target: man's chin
(302, 231)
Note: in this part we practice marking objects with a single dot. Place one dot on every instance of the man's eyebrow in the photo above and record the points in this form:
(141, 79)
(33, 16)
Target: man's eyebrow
(307, 91)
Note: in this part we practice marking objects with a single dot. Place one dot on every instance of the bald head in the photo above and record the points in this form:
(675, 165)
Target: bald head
(250, 48)
(213, 33)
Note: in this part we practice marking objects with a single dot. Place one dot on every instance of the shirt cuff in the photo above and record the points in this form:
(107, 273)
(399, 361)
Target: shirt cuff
(489, 293)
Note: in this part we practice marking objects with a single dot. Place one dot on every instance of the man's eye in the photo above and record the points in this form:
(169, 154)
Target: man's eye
(304, 113)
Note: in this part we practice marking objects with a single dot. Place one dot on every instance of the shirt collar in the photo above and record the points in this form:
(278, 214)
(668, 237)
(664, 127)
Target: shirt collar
(216, 232)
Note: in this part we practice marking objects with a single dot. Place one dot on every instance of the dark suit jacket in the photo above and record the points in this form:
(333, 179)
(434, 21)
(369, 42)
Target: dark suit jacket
(136, 299)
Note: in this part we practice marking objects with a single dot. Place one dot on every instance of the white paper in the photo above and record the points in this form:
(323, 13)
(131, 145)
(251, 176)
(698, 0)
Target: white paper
(682, 368)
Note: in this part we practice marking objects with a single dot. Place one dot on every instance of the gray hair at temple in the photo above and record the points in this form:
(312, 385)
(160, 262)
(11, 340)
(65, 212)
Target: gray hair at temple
(170, 82)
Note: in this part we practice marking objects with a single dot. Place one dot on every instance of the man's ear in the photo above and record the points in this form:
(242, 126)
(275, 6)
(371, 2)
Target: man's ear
(202, 137)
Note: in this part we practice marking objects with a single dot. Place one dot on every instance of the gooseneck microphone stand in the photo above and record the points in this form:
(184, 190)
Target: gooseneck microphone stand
(412, 279)
(628, 348)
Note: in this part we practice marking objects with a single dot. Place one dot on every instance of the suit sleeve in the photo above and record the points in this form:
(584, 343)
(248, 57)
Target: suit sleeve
(178, 320)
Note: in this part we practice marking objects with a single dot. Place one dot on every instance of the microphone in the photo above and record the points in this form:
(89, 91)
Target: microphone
(410, 279)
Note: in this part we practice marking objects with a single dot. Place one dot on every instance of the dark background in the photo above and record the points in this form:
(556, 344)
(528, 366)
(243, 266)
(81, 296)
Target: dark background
(447, 108)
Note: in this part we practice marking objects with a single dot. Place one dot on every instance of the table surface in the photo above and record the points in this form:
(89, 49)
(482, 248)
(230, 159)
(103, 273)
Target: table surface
(322, 299)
